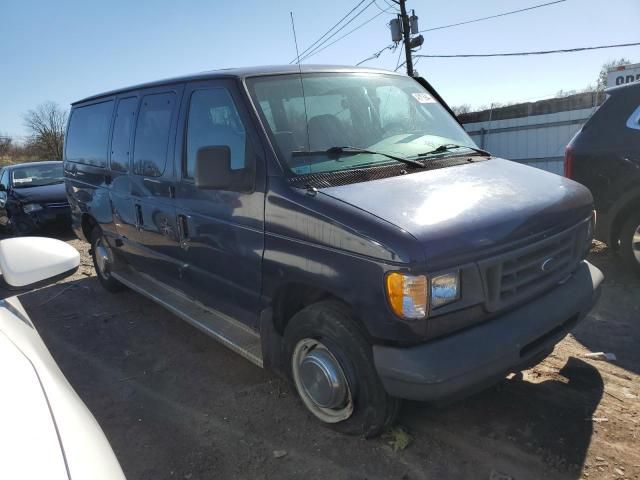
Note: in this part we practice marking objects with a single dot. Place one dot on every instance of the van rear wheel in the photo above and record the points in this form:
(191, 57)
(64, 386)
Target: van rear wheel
(331, 368)
(630, 241)
(103, 261)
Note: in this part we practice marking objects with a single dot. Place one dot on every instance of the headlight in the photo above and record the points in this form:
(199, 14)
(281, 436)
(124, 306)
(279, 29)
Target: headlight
(408, 295)
(445, 289)
(31, 207)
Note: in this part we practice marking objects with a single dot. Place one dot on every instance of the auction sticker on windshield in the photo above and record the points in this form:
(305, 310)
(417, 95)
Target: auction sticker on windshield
(423, 97)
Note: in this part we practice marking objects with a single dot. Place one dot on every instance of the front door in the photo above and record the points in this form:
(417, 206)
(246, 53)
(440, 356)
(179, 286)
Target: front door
(222, 231)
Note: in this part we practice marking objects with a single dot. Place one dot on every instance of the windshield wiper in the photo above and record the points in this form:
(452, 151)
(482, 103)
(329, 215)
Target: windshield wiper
(450, 146)
(340, 151)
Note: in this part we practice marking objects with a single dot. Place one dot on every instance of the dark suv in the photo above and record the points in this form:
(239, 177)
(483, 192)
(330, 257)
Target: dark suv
(32, 195)
(334, 224)
(605, 156)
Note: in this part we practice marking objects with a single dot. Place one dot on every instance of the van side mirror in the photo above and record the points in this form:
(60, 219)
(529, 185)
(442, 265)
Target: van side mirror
(213, 171)
(2, 188)
(28, 261)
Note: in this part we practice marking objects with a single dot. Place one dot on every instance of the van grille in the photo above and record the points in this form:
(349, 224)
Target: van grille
(523, 273)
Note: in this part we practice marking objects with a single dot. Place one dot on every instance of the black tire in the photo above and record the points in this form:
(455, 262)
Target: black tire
(330, 322)
(630, 249)
(104, 275)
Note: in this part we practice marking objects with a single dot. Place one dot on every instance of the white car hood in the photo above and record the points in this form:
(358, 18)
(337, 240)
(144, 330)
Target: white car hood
(46, 431)
(26, 424)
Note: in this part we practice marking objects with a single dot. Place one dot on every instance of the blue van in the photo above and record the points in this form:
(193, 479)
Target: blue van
(336, 225)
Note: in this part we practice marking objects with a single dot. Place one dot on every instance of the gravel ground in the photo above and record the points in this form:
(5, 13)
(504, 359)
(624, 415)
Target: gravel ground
(177, 405)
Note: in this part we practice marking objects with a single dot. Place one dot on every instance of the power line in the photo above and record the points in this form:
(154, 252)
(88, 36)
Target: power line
(377, 54)
(324, 45)
(343, 36)
(318, 44)
(493, 16)
(334, 26)
(540, 52)
(389, 9)
(398, 64)
(533, 7)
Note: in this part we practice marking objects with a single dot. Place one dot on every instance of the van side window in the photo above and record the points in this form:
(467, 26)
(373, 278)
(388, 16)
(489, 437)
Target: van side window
(152, 134)
(121, 139)
(4, 179)
(214, 120)
(87, 137)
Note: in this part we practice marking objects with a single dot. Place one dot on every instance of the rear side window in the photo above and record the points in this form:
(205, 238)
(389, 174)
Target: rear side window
(214, 120)
(152, 134)
(634, 120)
(87, 136)
(122, 128)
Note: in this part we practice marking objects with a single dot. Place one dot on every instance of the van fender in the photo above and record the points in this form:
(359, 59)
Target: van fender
(272, 344)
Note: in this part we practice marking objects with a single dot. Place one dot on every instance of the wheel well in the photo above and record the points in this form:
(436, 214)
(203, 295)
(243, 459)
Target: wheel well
(88, 224)
(293, 297)
(621, 217)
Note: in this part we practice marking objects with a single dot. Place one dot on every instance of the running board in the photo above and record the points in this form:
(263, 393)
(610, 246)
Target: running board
(228, 331)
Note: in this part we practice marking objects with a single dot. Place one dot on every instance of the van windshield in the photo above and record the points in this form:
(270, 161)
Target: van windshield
(37, 175)
(390, 114)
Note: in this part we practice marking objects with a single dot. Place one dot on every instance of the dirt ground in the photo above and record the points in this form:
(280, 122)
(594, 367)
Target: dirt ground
(177, 405)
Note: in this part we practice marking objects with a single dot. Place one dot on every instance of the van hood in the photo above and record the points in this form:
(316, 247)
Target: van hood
(458, 212)
(42, 194)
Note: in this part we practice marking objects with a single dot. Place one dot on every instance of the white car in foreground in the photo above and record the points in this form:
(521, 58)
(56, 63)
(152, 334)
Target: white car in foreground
(46, 431)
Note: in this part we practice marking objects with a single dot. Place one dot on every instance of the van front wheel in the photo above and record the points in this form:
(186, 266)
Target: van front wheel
(331, 368)
(103, 261)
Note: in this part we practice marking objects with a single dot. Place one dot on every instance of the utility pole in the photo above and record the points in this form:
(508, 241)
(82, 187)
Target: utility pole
(406, 33)
(401, 30)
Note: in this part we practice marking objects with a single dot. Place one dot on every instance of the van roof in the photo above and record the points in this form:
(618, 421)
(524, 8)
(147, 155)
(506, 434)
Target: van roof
(624, 87)
(240, 73)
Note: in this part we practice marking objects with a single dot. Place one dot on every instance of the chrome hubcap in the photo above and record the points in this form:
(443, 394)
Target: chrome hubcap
(103, 259)
(321, 382)
(635, 244)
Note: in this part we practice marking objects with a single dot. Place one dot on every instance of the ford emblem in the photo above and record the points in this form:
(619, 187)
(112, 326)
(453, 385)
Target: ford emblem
(547, 264)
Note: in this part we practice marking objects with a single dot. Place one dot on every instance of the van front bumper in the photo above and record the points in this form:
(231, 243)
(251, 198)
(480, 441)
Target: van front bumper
(473, 359)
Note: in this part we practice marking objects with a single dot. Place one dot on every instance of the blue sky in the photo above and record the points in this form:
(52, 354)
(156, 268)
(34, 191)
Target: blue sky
(68, 49)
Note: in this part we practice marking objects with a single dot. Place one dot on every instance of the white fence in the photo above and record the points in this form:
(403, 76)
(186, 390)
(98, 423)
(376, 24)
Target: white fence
(536, 140)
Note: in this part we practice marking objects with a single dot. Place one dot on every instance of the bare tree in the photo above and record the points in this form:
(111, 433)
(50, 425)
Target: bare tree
(46, 125)
(461, 109)
(5, 144)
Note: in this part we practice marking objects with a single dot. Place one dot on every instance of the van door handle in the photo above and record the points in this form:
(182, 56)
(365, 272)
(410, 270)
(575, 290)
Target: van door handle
(139, 219)
(183, 229)
(72, 170)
